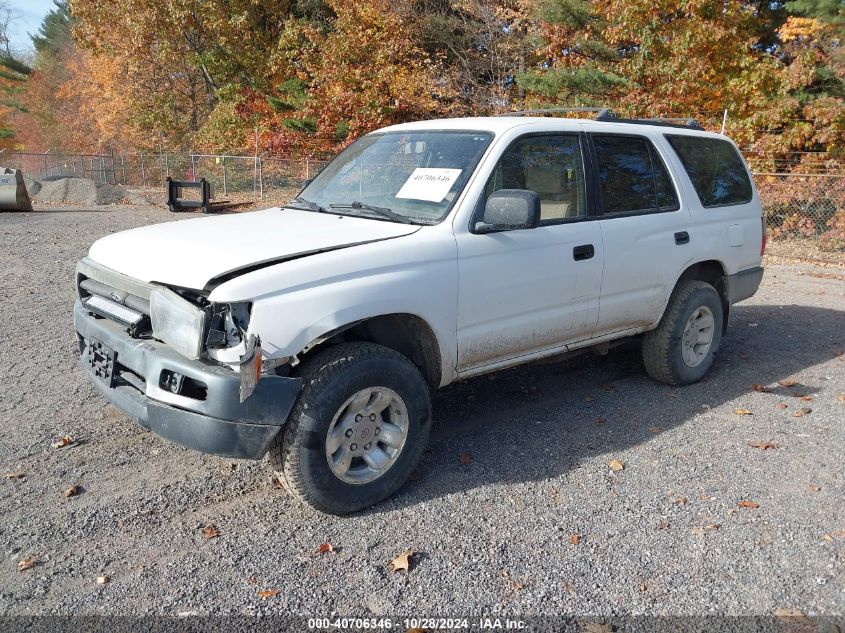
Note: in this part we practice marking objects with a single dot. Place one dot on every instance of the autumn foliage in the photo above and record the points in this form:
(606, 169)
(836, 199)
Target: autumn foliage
(310, 75)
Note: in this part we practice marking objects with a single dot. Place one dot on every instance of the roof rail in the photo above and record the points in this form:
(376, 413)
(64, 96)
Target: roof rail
(607, 115)
(692, 124)
(544, 111)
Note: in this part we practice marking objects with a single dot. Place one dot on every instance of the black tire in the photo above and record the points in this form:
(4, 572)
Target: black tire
(330, 378)
(663, 346)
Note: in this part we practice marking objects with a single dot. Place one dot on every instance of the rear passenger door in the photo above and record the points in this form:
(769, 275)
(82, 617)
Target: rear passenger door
(644, 230)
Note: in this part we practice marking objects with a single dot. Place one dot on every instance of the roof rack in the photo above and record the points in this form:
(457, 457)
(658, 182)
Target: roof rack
(544, 111)
(607, 115)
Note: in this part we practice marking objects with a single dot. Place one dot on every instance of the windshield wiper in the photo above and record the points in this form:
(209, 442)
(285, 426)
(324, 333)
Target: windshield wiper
(307, 204)
(382, 211)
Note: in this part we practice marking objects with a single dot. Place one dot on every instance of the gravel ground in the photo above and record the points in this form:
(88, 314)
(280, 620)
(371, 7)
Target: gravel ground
(515, 508)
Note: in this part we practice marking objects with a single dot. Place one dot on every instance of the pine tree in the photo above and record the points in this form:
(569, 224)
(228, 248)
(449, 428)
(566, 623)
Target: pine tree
(578, 64)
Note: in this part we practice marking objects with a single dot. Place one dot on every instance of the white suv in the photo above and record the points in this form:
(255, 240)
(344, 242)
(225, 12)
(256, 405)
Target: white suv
(424, 253)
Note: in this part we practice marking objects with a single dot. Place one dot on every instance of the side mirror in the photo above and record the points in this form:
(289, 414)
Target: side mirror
(510, 210)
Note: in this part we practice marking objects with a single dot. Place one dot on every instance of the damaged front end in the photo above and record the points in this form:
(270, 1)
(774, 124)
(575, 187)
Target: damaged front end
(187, 369)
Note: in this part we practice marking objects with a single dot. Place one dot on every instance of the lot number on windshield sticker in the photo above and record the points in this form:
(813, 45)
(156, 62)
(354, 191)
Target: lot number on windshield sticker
(429, 183)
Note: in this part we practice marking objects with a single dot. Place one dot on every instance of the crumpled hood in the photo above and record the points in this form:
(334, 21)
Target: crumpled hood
(191, 253)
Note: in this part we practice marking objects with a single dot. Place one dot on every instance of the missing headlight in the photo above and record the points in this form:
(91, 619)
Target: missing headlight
(228, 325)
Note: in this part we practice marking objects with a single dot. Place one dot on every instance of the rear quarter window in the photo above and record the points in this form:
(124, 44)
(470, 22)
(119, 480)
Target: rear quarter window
(715, 168)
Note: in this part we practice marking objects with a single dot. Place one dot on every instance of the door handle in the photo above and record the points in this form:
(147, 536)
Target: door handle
(682, 237)
(585, 251)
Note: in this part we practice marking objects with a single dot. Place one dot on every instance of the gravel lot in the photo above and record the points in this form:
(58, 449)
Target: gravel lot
(515, 508)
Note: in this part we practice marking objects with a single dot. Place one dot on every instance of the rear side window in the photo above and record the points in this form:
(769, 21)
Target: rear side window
(715, 169)
(631, 176)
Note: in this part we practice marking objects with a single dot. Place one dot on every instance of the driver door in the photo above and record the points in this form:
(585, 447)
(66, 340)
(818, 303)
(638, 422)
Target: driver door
(533, 290)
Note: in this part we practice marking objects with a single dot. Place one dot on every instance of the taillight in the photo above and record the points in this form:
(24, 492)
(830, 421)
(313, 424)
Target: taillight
(763, 238)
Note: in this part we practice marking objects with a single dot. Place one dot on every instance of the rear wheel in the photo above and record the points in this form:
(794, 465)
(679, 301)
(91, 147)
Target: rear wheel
(358, 429)
(682, 349)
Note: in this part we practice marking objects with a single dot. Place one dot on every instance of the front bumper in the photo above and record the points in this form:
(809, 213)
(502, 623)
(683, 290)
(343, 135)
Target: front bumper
(213, 420)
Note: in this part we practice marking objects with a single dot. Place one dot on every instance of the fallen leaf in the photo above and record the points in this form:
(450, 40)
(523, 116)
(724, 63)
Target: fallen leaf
(464, 458)
(782, 405)
(26, 563)
(616, 465)
(806, 398)
(788, 613)
(643, 588)
(706, 407)
(765, 446)
(787, 382)
(663, 525)
(743, 411)
(15, 475)
(654, 429)
(325, 548)
(210, 531)
(71, 491)
(67, 440)
(607, 387)
(760, 388)
(743, 355)
(826, 537)
(680, 501)
(277, 483)
(600, 421)
(671, 394)
(575, 538)
(748, 503)
(814, 488)
(413, 476)
(595, 627)
(700, 531)
(102, 580)
(402, 561)
(269, 593)
(804, 411)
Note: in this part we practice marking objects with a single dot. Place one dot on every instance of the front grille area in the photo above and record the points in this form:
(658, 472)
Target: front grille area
(130, 311)
(110, 295)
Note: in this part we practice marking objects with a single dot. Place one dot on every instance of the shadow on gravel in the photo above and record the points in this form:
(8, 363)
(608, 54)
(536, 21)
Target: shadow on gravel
(538, 421)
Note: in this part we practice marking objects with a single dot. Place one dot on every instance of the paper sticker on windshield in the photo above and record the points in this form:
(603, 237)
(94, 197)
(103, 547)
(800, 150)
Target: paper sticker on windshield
(429, 183)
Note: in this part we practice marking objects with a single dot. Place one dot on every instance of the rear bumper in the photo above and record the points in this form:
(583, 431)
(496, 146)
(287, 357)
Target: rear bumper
(743, 284)
(215, 421)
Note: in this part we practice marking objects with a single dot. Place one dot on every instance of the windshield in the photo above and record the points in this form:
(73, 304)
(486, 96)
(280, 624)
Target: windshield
(398, 176)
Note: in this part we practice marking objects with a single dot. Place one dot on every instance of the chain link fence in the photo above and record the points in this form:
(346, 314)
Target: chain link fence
(256, 176)
(805, 213)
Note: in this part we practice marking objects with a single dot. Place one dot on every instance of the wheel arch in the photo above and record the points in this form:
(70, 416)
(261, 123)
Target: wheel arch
(713, 272)
(408, 334)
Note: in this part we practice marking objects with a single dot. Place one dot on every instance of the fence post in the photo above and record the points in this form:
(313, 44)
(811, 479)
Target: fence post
(224, 176)
(167, 162)
(143, 174)
(261, 177)
(307, 168)
(123, 168)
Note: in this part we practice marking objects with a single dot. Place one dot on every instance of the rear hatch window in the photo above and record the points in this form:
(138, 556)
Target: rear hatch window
(715, 168)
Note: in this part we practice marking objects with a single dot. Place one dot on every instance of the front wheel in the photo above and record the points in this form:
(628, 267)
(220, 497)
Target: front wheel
(682, 348)
(357, 430)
